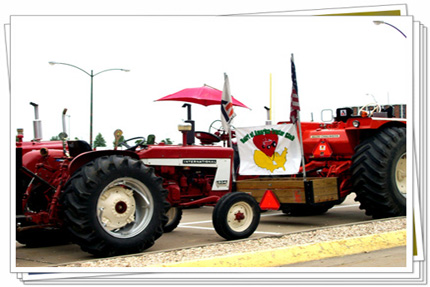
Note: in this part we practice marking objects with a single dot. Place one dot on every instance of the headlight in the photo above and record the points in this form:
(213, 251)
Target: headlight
(356, 124)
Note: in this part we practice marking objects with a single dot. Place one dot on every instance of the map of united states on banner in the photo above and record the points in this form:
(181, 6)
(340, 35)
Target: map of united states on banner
(268, 150)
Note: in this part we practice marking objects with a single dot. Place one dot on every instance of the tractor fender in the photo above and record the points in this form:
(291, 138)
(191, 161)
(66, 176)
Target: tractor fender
(86, 157)
(392, 123)
(374, 126)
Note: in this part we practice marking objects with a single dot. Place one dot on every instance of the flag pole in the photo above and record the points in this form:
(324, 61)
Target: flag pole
(301, 145)
(227, 114)
(295, 112)
(229, 138)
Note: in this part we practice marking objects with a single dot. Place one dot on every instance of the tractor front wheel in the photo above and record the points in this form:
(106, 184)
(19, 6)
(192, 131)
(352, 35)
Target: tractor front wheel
(174, 215)
(379, 173)
(236, 215)
(115, 205)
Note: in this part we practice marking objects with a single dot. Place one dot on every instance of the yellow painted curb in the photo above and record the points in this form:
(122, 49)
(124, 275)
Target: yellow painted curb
(301, 253)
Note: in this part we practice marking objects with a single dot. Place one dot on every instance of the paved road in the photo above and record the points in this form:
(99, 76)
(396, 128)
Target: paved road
(196, 229)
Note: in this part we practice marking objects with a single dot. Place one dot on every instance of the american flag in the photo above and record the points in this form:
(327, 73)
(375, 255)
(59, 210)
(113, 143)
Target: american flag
(295, 107)
(227, 112)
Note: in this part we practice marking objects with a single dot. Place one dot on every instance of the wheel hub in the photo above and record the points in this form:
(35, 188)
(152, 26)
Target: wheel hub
(121, 207)
(238, 217)
(116, 207)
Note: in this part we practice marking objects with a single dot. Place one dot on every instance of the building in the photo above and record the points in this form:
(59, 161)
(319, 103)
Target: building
(397, 111)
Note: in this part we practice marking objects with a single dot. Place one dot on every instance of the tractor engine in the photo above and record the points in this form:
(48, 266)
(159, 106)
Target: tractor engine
(186, 183)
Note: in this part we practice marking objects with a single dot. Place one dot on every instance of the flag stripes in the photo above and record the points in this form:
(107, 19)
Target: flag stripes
(295, 106)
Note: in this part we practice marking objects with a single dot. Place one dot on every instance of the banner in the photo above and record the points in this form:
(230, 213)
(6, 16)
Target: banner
(268, 150)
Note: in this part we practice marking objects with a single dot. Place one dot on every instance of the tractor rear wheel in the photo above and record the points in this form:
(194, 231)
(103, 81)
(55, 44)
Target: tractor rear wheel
(236, 215)
(379, 173)
(115, 205)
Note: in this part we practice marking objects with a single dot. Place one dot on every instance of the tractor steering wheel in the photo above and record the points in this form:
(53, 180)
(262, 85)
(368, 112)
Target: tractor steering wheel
(124, 143)
(376, 107)
(217, 127)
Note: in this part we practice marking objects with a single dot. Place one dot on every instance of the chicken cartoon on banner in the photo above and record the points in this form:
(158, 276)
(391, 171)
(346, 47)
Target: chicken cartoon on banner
(268, 150)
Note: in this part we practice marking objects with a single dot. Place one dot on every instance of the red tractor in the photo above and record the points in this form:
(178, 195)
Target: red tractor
(366, 152)
(114, 202)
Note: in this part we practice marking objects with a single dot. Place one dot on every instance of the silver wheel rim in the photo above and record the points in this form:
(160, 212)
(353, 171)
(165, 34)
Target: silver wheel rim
(239, 216)
(400, 174)
(125, 207)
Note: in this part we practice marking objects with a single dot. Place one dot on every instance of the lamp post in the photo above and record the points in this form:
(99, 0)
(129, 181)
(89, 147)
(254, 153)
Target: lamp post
(92, 75)
(382, 22)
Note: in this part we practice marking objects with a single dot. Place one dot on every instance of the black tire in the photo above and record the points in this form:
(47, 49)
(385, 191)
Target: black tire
(306, 210)
(42, 237)
(174, 215)
(101, 206)
(236, 216)
(379, 173)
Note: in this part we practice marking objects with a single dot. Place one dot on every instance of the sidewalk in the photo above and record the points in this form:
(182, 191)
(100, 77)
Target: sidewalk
(347, 243)
(316, 252)
(392, 257)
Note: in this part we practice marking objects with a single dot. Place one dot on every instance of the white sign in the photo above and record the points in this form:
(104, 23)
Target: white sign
(268, 150)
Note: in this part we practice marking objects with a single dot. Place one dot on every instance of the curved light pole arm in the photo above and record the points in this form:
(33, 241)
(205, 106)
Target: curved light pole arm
(396, 29)
(124, 70)
(57, 63)
(91, 95)
(382, 22)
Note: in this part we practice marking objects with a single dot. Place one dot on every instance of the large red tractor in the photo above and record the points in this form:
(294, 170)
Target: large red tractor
(366, 152)
(113, 202)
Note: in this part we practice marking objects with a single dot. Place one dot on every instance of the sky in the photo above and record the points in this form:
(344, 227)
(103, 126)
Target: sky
(340, 61)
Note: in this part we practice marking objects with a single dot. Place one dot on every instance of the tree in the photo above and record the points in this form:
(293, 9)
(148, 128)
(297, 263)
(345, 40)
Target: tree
(55, 138)
(99, 141)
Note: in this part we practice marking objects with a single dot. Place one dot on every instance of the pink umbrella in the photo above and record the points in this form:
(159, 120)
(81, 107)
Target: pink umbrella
(205, 96)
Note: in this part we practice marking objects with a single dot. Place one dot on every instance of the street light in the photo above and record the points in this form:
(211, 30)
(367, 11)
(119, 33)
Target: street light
(91, 99)
(382, 22)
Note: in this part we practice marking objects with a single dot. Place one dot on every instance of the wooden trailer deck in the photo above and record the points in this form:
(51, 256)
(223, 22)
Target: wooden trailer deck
(292, 190)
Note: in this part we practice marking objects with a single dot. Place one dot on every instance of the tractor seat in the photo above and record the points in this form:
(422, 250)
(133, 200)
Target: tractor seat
(77, 147)
(207, 138)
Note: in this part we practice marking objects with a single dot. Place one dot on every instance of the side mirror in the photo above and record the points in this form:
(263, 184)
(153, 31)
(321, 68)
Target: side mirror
(327, 116)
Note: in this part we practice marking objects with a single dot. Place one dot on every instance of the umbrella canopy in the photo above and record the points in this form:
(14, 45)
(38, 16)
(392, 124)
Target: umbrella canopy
(205, 96)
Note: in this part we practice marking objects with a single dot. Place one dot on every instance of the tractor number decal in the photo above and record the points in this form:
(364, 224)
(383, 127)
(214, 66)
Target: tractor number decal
(199, 161)
(324, 136)
(268, 150)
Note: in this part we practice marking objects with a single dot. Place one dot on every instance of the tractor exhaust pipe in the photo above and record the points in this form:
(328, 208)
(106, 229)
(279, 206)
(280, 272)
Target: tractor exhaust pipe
(268, 121)
(37, 124)
(64, 121)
